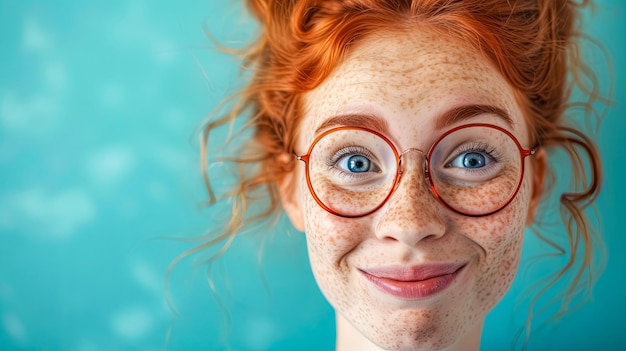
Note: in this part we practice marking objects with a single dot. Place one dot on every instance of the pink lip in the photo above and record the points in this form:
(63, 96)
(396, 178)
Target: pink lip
(413, 282)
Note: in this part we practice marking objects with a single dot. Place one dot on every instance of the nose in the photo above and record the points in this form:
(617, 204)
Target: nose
(412, 212)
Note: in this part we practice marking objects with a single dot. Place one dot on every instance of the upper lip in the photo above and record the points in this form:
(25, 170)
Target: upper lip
(414, 273)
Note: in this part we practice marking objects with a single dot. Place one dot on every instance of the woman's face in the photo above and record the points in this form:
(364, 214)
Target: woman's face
(414, 274)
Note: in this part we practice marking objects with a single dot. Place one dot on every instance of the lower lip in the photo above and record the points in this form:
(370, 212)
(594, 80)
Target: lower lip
(414, 289)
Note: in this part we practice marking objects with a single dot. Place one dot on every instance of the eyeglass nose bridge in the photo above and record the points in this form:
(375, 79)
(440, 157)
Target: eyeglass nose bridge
(420, 151)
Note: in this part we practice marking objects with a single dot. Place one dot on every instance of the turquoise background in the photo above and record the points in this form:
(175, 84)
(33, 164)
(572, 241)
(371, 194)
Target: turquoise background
(99, 104)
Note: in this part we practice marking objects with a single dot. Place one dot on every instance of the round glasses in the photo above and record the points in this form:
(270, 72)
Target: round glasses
(474, 169)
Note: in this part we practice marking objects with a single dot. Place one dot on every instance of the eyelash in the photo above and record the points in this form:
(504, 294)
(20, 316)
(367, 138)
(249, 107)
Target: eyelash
(476, 146)
(349, 150)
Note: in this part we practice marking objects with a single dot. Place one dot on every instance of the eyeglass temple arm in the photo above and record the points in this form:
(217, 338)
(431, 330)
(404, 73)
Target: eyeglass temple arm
(531, 151)
(304, 158)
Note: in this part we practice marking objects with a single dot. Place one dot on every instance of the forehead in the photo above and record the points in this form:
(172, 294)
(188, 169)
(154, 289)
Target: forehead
(408, 79)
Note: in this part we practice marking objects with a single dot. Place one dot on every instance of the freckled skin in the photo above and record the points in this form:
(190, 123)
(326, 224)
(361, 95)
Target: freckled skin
(408, 80)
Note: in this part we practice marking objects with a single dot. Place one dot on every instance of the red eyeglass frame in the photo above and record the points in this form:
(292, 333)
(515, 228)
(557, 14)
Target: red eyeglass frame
(398, 155)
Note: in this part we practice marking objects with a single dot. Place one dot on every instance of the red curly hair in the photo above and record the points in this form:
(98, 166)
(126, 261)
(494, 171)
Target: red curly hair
(533, 44)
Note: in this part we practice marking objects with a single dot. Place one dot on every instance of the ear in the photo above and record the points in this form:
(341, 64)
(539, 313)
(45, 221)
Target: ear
(539, 163)
(289, 198)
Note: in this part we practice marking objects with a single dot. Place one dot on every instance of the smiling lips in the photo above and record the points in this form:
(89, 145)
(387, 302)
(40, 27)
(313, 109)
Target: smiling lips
(413, 282)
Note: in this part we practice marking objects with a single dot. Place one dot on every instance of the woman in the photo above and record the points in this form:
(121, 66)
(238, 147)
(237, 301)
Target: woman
(411, 142)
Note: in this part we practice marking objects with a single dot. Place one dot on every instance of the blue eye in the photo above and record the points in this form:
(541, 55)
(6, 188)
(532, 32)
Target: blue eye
(471, 160)
(474, 160)
(356, 164)
(355, 161)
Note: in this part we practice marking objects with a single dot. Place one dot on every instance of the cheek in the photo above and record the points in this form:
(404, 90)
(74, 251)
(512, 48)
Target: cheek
(500, 237)
(497, 232)
(329, 238)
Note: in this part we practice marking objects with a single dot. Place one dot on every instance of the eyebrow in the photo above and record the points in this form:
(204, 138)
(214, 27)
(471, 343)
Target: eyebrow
(465, 112)
(448, 118)
(362, 120)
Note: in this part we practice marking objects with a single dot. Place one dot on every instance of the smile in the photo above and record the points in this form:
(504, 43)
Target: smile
(413, 282)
